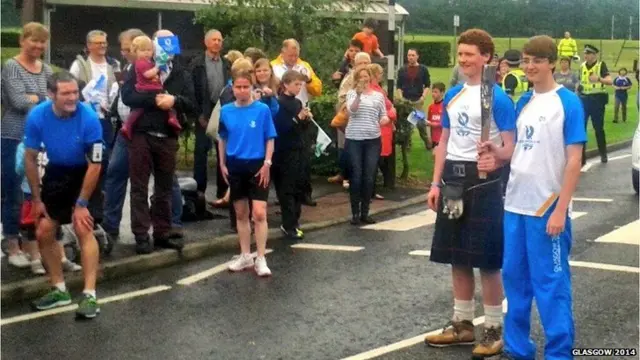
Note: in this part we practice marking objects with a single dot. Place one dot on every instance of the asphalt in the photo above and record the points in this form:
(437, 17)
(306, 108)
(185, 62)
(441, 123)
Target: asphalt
(334, 304)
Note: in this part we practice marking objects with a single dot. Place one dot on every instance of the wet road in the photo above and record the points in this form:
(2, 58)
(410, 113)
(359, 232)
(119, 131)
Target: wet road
(376, 289)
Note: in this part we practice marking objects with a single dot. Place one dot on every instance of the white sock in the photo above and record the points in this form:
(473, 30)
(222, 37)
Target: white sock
(90, 292)
(61, 286)
(492, 316)
(463, 309)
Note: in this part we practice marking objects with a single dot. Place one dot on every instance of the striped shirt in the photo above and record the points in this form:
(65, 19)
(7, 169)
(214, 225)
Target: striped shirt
(364, 124)
(17, 84)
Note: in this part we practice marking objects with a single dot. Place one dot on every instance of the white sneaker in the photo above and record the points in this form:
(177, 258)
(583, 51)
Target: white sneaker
(243, 262)
(37, 268)
(68, 265)
(261, 266)
(19, 260)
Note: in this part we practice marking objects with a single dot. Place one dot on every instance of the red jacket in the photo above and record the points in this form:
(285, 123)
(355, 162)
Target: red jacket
(386, 131)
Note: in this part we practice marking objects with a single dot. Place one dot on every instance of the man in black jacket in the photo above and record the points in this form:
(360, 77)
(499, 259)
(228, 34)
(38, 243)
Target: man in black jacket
(153, 147)
(210, 73)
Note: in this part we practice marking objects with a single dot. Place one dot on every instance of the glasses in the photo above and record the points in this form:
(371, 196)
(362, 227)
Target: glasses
(101, 43)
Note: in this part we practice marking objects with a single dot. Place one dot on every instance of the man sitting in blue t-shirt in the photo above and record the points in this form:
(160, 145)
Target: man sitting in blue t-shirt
(72, 134)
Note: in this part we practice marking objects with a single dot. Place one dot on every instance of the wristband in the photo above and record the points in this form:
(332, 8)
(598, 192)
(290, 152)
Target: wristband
(268, 162)
(438, 185)
(82, 203)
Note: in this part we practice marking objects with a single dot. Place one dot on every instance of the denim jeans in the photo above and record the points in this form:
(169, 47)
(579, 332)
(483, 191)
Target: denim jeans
(115, 186)
(363, 161)
(11, 192)
(343, 161)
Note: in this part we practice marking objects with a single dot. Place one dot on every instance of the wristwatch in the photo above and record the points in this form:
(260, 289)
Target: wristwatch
(268, 162)
(436, 184)
(82, 203)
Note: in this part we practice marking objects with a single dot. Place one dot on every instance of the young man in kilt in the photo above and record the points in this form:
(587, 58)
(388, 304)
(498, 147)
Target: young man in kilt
(474, 238)
(545, 169)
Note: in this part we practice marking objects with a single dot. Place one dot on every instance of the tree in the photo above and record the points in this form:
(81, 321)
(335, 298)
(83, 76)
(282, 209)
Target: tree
(266, 23)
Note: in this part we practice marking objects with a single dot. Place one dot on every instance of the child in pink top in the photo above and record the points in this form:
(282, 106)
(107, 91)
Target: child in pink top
(147, 81)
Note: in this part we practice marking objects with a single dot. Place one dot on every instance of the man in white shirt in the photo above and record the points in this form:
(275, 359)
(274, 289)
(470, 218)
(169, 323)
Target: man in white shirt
(472, 239)
(545, 169)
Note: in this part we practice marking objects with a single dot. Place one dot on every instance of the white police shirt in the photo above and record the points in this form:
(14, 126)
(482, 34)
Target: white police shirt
(547, 124)
(462, 117)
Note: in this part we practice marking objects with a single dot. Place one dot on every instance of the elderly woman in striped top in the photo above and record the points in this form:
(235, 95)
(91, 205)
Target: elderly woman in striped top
(367, 112)
(24, 85)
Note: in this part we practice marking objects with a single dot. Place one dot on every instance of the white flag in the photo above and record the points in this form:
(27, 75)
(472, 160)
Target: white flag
(322, 140)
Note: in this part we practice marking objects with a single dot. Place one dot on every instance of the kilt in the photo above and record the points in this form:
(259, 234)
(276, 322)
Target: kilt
(475, 239)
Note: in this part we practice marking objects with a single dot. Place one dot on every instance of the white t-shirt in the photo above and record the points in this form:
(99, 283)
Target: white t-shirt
(280, 69)
(547, 124)
(463, 118)
(96, 71)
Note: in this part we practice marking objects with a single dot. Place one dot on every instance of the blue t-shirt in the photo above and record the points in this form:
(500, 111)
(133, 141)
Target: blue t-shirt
(462, 104)
(69, 141)
(246, 130)
(622, 81)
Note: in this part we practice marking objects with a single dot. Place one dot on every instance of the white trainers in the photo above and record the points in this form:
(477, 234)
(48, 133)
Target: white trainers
(19, 260)
(68, 265)
(261, 267)
(243, 262)
(37, 268)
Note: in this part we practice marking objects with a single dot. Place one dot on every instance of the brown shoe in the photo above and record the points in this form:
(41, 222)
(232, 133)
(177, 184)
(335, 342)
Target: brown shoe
(491, 344)
(454, 333)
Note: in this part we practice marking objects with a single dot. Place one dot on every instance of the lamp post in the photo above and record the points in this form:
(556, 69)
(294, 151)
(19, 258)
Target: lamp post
(390, 83)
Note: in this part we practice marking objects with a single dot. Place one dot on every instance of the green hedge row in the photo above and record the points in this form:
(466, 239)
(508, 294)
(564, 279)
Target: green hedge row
(9, 38)
(435, 53)
(323, 109)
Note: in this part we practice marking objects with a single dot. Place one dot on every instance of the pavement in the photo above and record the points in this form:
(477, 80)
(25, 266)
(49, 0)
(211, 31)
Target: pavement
(342, 293)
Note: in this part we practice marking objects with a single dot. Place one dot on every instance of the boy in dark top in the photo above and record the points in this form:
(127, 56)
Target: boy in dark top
(622, 84)
(355, 46)
(290, 124)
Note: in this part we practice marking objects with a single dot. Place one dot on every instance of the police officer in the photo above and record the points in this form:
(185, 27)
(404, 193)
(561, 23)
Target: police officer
(72, 134)
(594, 75)
(515, 82)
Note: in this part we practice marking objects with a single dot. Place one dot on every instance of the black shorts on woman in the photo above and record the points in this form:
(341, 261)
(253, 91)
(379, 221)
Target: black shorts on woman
(244, 181)
(475, 239)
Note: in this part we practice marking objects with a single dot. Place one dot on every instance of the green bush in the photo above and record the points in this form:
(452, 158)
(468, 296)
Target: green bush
(10, 38)
(432, 53)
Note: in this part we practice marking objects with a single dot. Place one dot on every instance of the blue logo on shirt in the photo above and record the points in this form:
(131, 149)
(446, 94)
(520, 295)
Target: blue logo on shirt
(463, 120)
(528, 142)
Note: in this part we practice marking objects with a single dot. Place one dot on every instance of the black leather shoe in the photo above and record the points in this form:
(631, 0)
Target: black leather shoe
(167, 243)
(308, 201)
(143, 246)
(355, 220)
(367, 220)
(175, 233)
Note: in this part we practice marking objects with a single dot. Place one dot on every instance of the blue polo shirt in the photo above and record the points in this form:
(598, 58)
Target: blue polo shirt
(69, 141)
(246, 130)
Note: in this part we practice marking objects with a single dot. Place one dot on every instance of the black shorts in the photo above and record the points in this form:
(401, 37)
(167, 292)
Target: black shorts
(243, 182)
(61, 186)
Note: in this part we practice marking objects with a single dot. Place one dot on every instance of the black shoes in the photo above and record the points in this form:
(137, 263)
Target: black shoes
(144, 246)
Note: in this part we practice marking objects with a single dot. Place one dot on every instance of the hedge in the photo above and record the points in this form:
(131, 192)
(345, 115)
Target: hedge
(10, 38)
(432, 53)
(323, 109)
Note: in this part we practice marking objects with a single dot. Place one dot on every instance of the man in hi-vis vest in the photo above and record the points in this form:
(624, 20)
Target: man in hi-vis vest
(594, 75)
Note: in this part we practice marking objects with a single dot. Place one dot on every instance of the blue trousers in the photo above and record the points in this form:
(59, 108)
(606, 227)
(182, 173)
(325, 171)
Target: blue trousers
(115, 187)
(10, 187)
(537, 267)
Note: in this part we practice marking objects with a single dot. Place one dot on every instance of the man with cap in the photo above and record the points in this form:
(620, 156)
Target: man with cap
(515, 82)
(594, 75)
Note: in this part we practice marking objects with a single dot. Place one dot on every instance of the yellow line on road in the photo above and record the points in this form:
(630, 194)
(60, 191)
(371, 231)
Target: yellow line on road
(68, 308)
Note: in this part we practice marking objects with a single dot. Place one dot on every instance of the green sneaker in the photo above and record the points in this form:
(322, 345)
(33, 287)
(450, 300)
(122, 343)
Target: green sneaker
(299, 233)
(54, 298)
(87, 307)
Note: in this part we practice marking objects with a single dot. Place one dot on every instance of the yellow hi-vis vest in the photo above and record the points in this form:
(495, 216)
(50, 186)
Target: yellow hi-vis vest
(589, 87)
(523, 83)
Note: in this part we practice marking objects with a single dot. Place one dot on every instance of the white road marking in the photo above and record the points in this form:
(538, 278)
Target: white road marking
(584, 199)
(619, 157)
(327, 247)
(68, 308)
(420, 253)
(577, 214)
(628, 234)
(405, 223)
(402, 344)
(589, 164)
(210, 272)
(586, 167)
(600, 266)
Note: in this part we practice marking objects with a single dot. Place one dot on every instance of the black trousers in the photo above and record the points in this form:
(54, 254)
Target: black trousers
(594, 107)
(305, 171)
(288, 177)
(221, 185)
